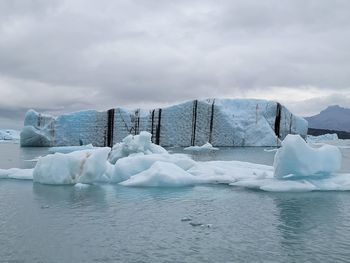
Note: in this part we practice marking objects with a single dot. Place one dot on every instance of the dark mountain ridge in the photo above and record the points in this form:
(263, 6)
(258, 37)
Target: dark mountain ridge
(332, 118)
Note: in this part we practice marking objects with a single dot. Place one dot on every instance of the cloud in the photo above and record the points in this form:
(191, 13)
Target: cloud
(76, 54)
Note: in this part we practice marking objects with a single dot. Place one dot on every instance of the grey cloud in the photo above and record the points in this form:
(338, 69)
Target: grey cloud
(80, 54)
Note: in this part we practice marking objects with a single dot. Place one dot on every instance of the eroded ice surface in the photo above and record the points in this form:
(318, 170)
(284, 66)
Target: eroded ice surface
(135, 145)
(138, 162)
(85, 166)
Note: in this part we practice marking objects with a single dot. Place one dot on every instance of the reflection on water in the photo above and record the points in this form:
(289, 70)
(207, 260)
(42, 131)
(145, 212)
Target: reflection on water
(112, 223)
(40, 223)
(309, 225)
(91, 197)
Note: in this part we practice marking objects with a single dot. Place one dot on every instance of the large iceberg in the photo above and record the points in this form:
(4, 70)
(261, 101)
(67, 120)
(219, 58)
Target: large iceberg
(221, 122)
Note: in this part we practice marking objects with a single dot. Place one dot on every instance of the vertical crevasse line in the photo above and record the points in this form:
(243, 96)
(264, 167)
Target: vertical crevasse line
(211, 122)
(158, 127)
(194, 122)
(278, 119)
(110, 127)
(152, 126)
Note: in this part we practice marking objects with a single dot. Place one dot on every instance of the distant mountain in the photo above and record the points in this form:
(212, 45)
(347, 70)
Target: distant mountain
(333, 118)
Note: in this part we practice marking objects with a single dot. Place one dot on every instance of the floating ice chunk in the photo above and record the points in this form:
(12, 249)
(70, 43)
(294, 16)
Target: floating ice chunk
(134, 164)
(204, 148)
(163, 174)
(16, 173)
(9, 135)
(132, 144)
(68, 149)
(77, 167)
(299, 168)
(297, 158)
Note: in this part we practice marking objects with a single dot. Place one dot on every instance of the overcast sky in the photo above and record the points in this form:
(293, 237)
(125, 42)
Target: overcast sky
(66, 55)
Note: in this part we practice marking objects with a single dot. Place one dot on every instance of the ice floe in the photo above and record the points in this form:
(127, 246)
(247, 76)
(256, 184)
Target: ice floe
(136, 161)
(204, 148)
(16, 173)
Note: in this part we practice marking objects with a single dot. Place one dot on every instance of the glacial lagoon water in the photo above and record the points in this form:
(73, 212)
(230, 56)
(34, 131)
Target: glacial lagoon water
(112, 223)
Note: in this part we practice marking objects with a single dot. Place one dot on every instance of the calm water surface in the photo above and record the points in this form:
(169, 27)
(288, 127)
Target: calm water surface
(111, 223)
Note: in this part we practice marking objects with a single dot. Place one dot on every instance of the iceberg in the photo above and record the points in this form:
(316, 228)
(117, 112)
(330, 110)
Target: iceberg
(220, 122)
(86, 166)
(298, 167)
(296, 158)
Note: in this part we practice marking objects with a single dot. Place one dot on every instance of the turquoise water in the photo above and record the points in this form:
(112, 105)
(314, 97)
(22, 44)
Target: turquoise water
(111, 223)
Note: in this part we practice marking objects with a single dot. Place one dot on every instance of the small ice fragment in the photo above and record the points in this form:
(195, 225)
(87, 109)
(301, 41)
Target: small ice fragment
(205, 147)
(196, 224)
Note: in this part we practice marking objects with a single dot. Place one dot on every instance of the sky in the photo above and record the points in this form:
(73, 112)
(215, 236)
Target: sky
(60, 56)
